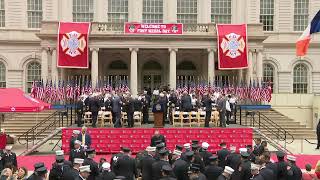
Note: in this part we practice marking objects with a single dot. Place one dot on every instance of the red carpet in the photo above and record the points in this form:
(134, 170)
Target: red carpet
(28, 161)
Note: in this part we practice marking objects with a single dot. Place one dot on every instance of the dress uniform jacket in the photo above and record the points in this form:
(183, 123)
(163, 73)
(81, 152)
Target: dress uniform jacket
(57, 171)
(168, 178)
(245, 172)
(93, 167)
(126, 166)
(282, 171)
(296, 173)
(198, 160)
(72, 140)
(157, 167)
(212, 172)
(180, 169)
(273, 167)
(9, 158)
(106, 175)
(114, 161)
(186, 104)
(222, 155)
(71, 174)
(221, 177)
(76, 153)
(146, 167)
(265, 174)
(157, 138)
(233, 160)
(202, 177)
(205, 156)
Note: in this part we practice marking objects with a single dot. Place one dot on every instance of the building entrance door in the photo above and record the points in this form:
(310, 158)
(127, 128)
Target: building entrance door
(151, 81)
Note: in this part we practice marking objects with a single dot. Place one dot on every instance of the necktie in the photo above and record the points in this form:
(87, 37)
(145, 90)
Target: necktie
(83, 139)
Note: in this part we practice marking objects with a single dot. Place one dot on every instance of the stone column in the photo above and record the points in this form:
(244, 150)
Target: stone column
(259, 66)
(134, 71)
(94, 66)
(54, 68)
(44, 64)
(240, 76)
(211, 68)
(173, 68)
(250, 67)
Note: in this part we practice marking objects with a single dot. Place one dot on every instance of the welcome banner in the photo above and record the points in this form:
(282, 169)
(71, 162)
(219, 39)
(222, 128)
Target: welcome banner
(145, 28)
(232, 46)
(72, 45)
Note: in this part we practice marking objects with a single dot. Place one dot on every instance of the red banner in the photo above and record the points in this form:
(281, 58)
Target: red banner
(72, 45)
(137, 28)
(232, 46)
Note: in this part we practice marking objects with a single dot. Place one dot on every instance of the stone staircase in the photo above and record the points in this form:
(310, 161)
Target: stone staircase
(298, 130)
(19, 123)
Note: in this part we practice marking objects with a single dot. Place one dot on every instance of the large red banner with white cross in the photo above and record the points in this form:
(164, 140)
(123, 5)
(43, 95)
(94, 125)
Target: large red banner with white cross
(72, 45)
(232, 46)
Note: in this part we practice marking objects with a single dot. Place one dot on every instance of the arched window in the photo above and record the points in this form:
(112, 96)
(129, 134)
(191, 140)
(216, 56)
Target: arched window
(2, 75)
(33, 74)
(186, 65)
(268, 75)
(152, 65)
(300, 79)
(118, 65)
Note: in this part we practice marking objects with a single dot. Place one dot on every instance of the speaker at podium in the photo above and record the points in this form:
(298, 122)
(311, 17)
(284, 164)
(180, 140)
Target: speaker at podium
(158, 110)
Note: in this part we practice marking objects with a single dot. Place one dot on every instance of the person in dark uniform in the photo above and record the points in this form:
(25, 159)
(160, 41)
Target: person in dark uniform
(157, 166)
(173, 103)
(106, 173)
(9, 157)
(181, 166)
(226, 173)
(294, 171)
(126, 165)
(130, 110)
(167, 173)
(116, 110)
(146, 163)
(94, 107)
(186, 102)
(265, 172)
(41, 173)
(93, 165)
(265, 162)
(84, 173)
(187, 147)
(36, 167)
(207, 104)
(176, 154)
(60, 167)
(318, 135)
(197, 157)
(204, 153)
(233, 159)
(157, 137)
(195, 174)
(73, 173)
(114, 160)
(79, 110)
(84, 138)
(77, 152)
(282, 167)
(222, 154)
(212, 170)
(73, 138)
(245, 166)
(145, 107)
(107, 102)
(222, 109)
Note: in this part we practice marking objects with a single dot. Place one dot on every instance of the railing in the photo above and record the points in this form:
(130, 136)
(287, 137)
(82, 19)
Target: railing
(51, 122)
(108, 27)
(263, 123)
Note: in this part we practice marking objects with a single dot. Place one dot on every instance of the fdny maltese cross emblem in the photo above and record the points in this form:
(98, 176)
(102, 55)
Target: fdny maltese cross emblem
(72, 44)
(233, 45)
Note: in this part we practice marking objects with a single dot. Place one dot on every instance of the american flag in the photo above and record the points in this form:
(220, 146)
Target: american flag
(33, 89)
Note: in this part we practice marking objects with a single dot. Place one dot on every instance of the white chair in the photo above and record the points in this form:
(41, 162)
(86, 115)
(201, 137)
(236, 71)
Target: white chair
(107, 118)
(87, 118)
(137, 117)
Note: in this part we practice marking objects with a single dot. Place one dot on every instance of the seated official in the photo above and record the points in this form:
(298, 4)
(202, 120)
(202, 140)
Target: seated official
(157, 137)
(84, 138)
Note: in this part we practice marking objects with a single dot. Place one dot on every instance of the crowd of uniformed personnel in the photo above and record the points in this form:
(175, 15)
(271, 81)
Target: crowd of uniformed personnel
(185, 102)
(191, 161)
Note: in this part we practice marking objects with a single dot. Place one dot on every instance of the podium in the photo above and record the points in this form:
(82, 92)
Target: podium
(158, 111)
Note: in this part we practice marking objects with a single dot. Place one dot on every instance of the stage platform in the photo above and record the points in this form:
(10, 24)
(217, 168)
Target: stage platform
(109, 140)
